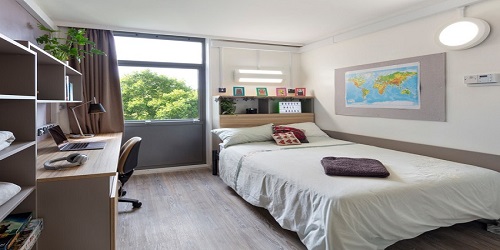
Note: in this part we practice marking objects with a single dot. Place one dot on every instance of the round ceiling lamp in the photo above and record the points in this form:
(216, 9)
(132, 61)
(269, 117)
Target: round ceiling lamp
(464, 33)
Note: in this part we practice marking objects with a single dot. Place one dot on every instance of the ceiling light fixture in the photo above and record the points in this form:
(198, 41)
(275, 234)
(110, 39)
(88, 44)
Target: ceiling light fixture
(464, 33)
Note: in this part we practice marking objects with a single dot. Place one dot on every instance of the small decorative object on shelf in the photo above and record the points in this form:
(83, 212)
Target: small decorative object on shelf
(300, 91)
(251, 111)
(261, 91)
(239, 91)
(290, 107)
(281, 92)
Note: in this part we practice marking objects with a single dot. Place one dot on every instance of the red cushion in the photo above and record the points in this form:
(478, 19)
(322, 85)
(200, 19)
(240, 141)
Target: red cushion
(283, 139)
(299, 133)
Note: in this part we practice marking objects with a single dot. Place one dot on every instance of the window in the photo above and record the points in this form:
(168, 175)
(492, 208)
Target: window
(162, 77)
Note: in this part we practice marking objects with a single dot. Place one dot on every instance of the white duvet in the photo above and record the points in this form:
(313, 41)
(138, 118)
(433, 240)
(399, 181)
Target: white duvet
(421, 194)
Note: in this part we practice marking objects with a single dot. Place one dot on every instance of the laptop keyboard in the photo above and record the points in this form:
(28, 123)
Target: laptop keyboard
(78, 145)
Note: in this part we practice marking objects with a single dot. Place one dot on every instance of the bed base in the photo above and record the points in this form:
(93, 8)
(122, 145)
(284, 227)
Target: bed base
(215, 162)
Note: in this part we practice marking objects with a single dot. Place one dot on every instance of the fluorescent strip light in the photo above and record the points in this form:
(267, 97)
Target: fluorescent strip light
(258, 71)
(268, 80)
(259, 76)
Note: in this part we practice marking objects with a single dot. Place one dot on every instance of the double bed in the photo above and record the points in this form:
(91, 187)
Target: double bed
(340, 212)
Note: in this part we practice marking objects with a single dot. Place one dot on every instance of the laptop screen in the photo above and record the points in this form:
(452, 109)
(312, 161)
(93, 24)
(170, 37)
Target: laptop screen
(58, 135)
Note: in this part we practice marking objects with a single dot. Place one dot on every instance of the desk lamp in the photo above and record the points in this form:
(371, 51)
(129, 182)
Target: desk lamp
(94, 108)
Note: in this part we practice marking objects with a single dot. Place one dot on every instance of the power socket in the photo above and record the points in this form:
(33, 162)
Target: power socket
(470, 79)
(43, 129)
(222, 90)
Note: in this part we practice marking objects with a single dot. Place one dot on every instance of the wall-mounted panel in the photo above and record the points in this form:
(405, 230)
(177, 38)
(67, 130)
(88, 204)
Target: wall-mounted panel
(382, 91)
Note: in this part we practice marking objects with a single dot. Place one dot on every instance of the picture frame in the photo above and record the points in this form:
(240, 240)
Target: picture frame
(281, 92)
(261, 91)
(300, 91)
(238, 91)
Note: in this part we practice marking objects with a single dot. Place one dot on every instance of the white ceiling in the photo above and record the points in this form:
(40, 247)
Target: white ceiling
(295, 22)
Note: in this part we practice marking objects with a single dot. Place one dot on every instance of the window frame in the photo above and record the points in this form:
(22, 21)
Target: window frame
(201, 67)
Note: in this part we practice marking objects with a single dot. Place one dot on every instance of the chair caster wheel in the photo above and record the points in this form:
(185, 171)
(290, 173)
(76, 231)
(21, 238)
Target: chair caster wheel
(137, 204)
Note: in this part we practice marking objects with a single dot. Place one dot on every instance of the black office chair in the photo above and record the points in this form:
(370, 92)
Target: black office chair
(129, 153)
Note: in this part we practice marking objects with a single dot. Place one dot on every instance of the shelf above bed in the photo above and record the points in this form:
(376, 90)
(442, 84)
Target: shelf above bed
(267, 111)
(250, 120)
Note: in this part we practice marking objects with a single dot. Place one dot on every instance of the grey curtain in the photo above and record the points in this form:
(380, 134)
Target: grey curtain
(100, 80)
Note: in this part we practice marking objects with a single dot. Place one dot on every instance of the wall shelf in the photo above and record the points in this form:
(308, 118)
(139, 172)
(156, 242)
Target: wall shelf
(265, 104)
(267, 111)
(18, 106)
(14, 148)
(52, 77)
(16, 97)
(15, 201)
(56, 101)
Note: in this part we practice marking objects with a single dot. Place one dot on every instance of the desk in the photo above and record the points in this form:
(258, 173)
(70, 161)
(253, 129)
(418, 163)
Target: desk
(78, 205)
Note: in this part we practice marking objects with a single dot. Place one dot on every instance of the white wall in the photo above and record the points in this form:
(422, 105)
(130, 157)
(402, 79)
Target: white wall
(248, 58)
(472, 113)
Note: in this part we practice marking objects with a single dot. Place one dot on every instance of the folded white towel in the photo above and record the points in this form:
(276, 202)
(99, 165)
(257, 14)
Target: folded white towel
(7, 191)
(6, 138)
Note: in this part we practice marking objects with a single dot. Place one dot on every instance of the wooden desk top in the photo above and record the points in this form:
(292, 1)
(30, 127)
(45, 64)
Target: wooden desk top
(102, 162)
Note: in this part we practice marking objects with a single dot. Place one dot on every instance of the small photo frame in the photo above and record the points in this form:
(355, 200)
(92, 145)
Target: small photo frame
(238, 91)
(300, 91)
(261, 91)
(281, 92)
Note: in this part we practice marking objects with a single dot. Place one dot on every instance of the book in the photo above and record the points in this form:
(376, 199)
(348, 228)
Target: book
(66, 88)
(70, 91)
(11, 227)
(28, 237)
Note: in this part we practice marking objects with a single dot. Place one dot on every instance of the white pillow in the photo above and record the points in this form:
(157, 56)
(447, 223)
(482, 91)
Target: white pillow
(7, 191)
(233, 136)
(310, 128)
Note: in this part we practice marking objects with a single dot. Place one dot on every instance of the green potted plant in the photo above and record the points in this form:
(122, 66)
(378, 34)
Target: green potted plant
(62, 48)
(227, 106)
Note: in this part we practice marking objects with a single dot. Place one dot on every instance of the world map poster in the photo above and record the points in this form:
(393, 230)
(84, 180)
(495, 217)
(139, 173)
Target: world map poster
(394, 87)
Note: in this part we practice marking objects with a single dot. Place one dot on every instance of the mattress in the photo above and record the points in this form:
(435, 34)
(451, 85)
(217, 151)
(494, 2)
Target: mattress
(333, 212)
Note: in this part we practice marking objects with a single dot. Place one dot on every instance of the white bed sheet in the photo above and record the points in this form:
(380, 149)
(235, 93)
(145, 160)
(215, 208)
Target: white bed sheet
(421, 194)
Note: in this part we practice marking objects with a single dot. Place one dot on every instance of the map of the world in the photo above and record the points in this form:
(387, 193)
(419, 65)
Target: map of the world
(394, 86)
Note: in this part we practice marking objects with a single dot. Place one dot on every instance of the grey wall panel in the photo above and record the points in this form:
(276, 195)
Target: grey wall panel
(167, 144)
(432, 91)
(489, 161)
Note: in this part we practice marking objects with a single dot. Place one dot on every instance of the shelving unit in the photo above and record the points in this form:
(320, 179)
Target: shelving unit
(52, 75)
(18, 109)
(267, 110)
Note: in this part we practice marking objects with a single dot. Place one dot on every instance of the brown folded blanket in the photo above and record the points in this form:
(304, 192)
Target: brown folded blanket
(345, 166)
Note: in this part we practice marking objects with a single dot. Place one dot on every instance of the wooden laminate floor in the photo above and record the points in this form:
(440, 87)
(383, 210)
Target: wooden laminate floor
(195, 210)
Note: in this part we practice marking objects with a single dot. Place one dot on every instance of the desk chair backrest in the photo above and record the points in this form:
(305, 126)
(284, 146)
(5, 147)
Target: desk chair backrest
(129, 154)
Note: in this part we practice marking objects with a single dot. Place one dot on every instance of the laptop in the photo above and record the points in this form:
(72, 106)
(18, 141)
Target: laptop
(63, 144)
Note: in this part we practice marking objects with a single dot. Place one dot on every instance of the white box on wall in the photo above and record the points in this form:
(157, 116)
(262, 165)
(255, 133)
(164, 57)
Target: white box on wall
(290, 107)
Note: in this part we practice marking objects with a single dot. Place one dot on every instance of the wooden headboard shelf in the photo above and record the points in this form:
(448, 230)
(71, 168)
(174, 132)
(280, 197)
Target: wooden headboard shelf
(250, 120)
(268, 111)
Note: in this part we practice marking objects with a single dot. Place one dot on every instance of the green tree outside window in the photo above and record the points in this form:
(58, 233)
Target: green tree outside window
(150, 96)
